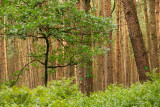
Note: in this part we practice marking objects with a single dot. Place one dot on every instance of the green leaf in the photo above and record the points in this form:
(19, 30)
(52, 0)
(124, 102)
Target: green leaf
(146, 67)
(27, 69)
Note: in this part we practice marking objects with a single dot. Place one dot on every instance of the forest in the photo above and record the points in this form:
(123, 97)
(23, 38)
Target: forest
(79, 53)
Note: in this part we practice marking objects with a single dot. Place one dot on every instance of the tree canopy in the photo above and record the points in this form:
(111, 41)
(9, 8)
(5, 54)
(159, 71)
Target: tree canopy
(56, 21)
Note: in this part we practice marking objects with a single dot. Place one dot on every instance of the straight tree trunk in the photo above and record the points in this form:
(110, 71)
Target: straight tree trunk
(154, 62)
(136, 39)
(89, 74)
(29, 66)
(148, 33)
(122, 46)
(157, 26)
(109, 56)
(81, 68)
(1, 59)
(128, 58)
(46, 60)
(96, 14)
(101, 10)
(95, 5)
(5, 53)
(95, 64)
(100, 58)
(118, 54)
(19, 57)
(59, 70)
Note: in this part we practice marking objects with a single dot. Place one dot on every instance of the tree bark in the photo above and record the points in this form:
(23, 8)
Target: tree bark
(81, 68)
(157, 26)
(122, 54)
(101, 11)
(109, 56)
(128, 58)
(154, 61)
(60, 73)
(1, 59)
(136, 37)
(46, 60)
(89, 74)
(148, 33)
(5, 54)
(118, 54)
(100, 58)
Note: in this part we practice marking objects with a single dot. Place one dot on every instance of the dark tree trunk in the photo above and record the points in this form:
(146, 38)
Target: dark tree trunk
(46, 61)
(89, 75)
(136, 37)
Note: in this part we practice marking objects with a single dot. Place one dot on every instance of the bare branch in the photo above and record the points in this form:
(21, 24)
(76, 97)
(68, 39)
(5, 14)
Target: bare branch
(21, 72)
(60, 66)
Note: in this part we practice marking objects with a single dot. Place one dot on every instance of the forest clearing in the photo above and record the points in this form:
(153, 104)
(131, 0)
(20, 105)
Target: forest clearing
(80, 53)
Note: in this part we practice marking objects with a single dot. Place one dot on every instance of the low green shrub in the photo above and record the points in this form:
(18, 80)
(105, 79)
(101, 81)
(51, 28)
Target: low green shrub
(63, 93)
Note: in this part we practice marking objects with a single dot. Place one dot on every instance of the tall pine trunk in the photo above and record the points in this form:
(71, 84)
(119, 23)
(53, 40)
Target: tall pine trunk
(128, 58)
(89, 75)
(109, 57)
(154, 61)
(148, 33)
(5, 53)
(157, 26)
(118, 54)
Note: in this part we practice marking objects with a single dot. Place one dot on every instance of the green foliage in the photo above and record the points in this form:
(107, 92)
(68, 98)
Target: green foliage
(74, 29)
(153, 75)
(63, 93)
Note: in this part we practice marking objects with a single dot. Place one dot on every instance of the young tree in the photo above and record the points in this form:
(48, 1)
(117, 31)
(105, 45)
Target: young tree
(59, 22)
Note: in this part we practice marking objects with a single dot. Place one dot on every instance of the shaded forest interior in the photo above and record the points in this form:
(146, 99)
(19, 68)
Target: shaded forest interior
(131, 45)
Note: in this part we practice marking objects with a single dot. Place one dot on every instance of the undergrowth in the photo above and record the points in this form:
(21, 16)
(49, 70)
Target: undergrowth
(64, 94)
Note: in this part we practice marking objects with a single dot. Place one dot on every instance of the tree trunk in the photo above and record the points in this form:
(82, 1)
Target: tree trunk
(89, 74)
(109, 56)
(95, 5)
(118, 54)
(128, 58)
(46, 60)
(81, 68)
(157, 26)
(154, 61)
(5, 54)
(101, 10)
(59, 70)
(100, 58)
(148, 33)
(122, 54)
(136, 39)
(1, 59)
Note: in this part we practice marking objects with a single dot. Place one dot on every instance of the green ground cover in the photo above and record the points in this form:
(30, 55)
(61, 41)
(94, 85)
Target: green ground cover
(64, 94)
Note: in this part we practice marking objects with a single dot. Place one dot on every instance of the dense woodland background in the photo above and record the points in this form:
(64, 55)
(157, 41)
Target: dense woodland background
(117, 66)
